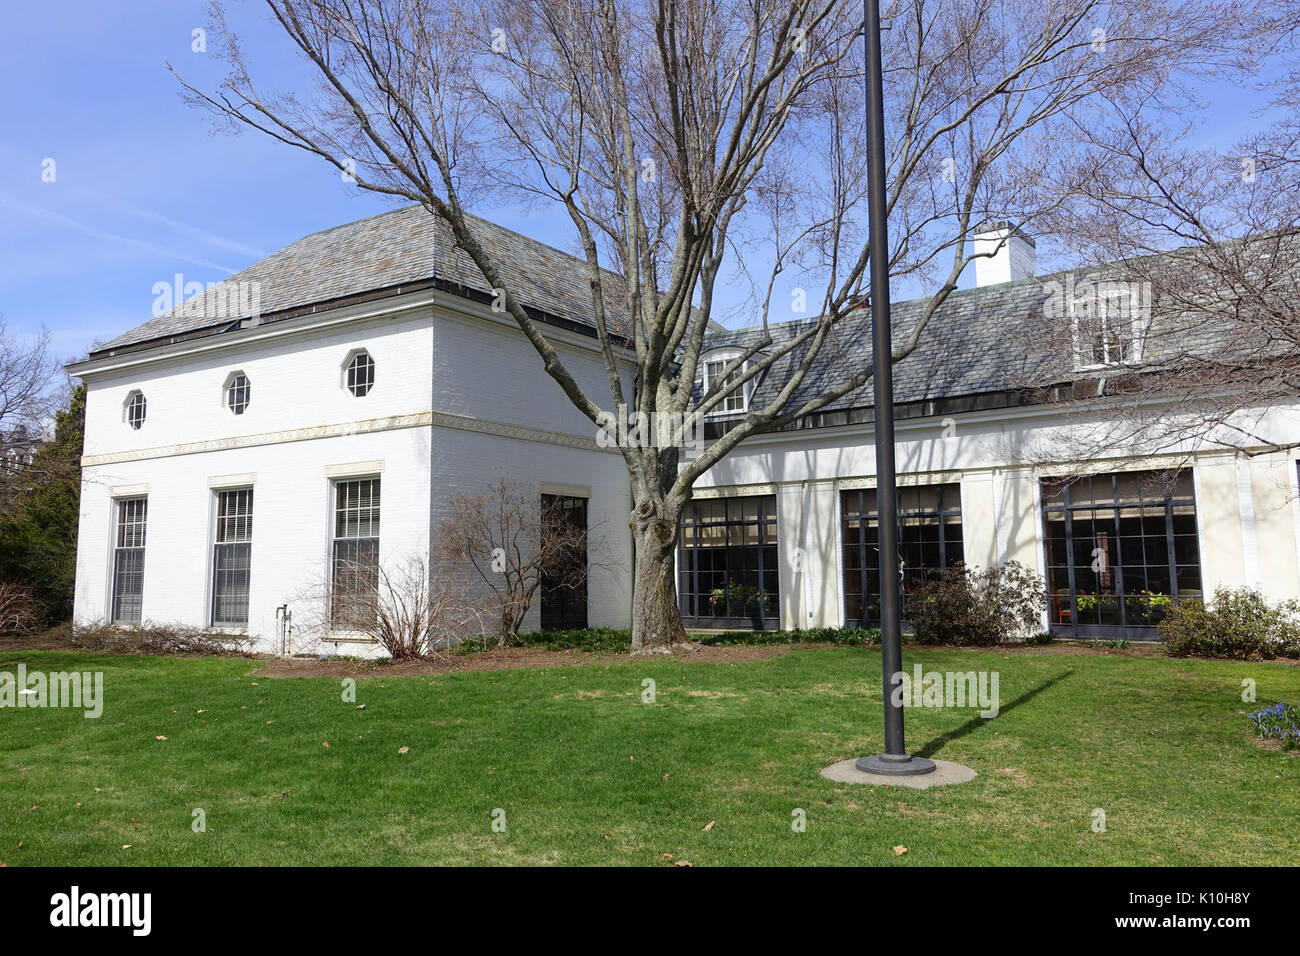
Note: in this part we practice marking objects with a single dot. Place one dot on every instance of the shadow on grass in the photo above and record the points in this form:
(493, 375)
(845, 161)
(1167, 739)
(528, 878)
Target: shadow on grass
(975, 723)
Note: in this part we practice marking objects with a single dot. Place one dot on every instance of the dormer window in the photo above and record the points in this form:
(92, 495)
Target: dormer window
(1109, 318)
(136, 409)
(238, 392)
(736, 401)
(359, 374)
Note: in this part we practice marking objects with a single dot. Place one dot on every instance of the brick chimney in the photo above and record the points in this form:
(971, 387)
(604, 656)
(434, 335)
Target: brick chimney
(1014, 258)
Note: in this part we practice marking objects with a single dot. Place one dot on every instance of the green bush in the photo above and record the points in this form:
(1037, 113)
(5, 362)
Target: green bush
(1239, 624)
(609, 639)
(851, 636)
(976, 607)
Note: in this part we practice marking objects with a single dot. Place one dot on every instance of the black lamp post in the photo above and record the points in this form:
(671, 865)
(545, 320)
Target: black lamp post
(895, 760)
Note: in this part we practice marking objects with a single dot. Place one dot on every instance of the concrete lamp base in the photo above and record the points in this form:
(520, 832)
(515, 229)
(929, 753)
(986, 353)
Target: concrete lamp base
(895, 765)
(942, 772)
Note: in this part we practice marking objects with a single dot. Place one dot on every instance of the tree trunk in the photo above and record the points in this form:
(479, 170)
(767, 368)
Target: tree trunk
(656, 619)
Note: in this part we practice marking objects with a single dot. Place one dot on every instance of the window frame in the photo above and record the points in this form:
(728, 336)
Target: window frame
(721, 359)
(689, 595)
(940, 516)
(138, 528)
(566, 608)
(230, 388)
(1172, 501)
(135, 399)
(350, 369)
(240, 543)
(370, 542)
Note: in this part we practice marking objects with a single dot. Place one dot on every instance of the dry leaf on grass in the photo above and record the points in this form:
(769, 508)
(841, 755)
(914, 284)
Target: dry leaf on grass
(709, 826)
(160, 737)
(325, 744)
(683, 863)
(900, 850)
(403, 750)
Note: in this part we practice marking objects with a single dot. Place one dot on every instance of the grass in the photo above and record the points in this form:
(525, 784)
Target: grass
(589, 774)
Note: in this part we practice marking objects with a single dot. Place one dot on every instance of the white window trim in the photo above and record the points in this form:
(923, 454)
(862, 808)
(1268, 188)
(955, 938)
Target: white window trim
(1137, 328)
(126, 409)
(336, 475)
(347, 363)
(745, 391)
(225, 392)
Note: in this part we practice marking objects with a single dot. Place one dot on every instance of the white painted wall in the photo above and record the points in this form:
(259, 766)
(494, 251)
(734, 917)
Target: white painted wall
(437, 361)
(1001, 510)
(461, 399)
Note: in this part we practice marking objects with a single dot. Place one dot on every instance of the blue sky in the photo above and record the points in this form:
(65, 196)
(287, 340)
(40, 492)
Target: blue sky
(143, 188)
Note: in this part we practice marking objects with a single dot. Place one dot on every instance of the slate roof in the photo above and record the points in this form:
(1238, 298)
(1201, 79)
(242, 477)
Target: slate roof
(969, 347)
(388, 252)
(1000, 341)
(990, 341)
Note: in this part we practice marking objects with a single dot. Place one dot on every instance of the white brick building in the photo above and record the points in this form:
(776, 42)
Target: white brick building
(380, 383)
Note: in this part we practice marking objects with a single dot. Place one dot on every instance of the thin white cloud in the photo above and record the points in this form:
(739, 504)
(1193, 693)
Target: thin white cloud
(96, 233)
(203, 235)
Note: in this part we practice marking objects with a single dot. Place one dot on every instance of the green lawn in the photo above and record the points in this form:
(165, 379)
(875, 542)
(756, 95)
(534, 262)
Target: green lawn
(589, 774)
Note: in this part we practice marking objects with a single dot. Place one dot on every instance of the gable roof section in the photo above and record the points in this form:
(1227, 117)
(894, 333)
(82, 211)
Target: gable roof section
(397, 251)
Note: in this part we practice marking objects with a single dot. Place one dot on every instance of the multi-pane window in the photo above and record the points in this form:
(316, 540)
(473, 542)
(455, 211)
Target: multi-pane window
(239, 392)
(136, 409)
(929, 539)
(564, 581)
(128, 560)
(361, 374)
(232, 558)
(1121, 548)
(355, 573)
(729, 561)
(735, 401)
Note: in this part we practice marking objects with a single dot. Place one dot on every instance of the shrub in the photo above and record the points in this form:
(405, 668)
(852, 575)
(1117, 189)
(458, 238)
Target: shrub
(608, 639)
(20, 612)
(1040, 639)
(850, 636)
(976, 607)
(155, 638)
(1239, 624)
(1280, 722)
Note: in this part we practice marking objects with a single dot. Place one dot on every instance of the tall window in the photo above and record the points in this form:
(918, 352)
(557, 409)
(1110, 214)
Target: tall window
(239, 392)
(360, 374)
(136, 410)
(729, 562)
(929, 539)
(128, 560)
(232, 558)
(564, 583)
(355, 576)
(1121, 548)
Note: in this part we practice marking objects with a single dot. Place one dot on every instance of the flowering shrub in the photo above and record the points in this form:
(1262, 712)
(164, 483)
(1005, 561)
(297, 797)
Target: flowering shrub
(1280, 722)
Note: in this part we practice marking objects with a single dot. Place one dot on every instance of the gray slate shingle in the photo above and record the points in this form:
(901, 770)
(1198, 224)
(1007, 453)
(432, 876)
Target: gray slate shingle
(395, 248)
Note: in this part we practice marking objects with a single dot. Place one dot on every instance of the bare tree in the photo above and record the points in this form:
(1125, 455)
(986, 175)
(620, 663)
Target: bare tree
(516, 543)
(407, 606)
(29, 395)
(1184, 320)
(682, 136)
